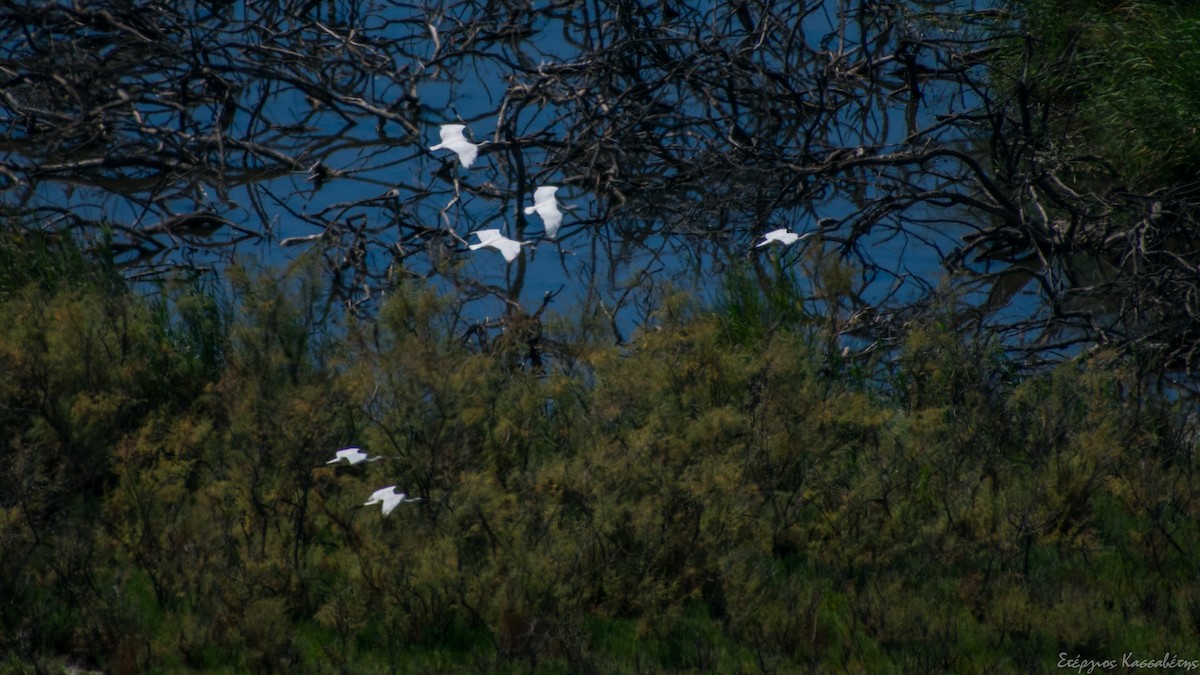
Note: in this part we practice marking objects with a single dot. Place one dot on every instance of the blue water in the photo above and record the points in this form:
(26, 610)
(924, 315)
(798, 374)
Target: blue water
(602, 249)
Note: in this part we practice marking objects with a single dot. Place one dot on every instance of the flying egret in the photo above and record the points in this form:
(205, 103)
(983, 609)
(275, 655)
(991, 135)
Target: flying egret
(782, 236)
(352, 456)
(546, 206)
(389, 498)
(453, 139)
(511, 248)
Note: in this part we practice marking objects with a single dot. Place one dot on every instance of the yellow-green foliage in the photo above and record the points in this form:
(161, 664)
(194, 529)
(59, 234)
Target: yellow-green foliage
(698, 499)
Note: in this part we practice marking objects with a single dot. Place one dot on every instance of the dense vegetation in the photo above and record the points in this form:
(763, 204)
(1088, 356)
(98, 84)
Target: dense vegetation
(1122, 77)
(738, 487)
(726, 494)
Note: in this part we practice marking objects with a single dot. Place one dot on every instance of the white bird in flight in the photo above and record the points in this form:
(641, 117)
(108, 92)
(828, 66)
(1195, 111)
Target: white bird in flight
(546, 206)
(782, 236)
(453, 139)
(352, 456)
(389, 498)
(511, 248)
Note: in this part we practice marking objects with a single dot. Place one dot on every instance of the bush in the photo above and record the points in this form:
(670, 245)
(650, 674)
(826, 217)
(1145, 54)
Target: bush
(711, 496)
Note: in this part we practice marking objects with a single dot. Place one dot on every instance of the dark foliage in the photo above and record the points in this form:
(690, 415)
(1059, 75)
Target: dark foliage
(723, 493)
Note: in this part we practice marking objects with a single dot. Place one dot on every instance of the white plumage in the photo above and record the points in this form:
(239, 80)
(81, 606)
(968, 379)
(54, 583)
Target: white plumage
(546, 206)
(453, 139)
(389, 498)
(511, 248)
(781, 235)
(352, 456)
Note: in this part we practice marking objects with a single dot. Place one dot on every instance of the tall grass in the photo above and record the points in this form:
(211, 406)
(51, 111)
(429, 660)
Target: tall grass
(1123, 75)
